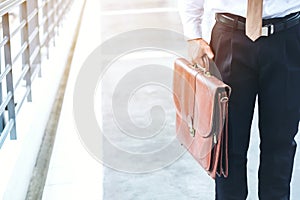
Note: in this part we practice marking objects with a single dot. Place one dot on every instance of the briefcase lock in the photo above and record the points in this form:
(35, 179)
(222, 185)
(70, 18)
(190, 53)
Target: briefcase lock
(192, 131)
(190, 124)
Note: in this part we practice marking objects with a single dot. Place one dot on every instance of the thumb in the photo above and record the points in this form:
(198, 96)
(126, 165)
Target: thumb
(209, 53)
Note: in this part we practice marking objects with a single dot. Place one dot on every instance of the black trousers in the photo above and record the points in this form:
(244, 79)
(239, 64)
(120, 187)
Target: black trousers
(270, 69)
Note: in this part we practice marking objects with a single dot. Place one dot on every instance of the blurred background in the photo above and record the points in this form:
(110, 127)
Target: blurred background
(87, 105)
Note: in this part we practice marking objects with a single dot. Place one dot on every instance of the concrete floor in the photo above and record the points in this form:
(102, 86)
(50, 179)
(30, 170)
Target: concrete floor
(154, 165)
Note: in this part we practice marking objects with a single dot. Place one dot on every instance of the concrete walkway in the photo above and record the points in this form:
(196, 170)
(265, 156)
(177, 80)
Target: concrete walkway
(73, 173)
(76, 174)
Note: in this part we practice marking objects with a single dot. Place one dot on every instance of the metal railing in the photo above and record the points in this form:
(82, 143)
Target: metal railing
(27, 30)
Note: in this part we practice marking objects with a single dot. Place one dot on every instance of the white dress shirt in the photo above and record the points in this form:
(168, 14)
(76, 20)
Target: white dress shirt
(191, 11)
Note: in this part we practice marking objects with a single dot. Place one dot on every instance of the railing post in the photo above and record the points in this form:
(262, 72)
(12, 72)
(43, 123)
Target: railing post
(53, 21)
(26, 54)
(2, 123)
(9, 78)
(46, 25)
(39, 39)
(33, 35)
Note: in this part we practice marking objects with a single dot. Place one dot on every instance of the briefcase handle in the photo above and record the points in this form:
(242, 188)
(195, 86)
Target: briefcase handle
(204, 69)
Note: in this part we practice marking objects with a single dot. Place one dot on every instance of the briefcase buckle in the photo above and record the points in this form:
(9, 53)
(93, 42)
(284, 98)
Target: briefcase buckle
(191, 128)
(192, 132)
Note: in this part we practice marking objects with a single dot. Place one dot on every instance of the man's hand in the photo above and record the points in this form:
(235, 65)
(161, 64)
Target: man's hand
(198, 49)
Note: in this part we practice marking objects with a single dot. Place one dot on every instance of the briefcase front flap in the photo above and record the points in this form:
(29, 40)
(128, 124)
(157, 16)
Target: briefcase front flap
(208, 97)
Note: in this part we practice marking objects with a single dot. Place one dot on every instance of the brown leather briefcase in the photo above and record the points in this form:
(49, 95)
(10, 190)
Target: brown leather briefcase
(201, 102)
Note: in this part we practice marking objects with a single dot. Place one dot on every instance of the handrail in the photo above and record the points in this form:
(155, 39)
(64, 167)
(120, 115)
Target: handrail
(7, 5)
(38, 26)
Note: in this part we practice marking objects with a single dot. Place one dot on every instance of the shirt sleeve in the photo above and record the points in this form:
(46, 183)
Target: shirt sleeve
(191, 14)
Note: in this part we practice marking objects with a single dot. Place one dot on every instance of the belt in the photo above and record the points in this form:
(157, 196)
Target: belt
(270, 26)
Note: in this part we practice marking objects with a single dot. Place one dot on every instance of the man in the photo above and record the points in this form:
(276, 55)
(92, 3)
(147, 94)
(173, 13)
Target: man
(267, 67)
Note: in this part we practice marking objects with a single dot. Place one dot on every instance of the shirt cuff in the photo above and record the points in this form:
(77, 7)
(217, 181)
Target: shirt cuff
(192, 31)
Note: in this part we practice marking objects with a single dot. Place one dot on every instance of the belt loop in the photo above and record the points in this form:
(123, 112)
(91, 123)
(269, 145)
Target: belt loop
(236, 20)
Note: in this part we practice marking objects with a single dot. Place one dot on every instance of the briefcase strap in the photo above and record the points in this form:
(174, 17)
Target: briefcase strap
(219, 164)
(224, 145)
